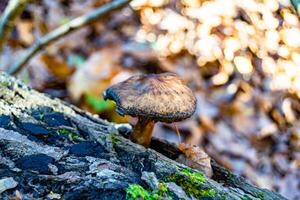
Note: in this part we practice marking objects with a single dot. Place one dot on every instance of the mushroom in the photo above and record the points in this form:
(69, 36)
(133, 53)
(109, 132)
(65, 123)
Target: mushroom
(152, 98)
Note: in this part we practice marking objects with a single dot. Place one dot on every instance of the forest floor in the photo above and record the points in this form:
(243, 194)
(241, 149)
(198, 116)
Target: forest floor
(240, 57)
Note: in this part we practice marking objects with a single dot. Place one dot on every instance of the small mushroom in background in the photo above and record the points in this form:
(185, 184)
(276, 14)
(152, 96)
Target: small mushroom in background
(152, 98)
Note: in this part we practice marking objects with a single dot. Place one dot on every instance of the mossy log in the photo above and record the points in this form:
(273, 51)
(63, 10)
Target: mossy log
(50, 149)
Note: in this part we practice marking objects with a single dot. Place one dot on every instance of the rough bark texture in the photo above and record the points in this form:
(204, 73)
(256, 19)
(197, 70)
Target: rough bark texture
(57, 151)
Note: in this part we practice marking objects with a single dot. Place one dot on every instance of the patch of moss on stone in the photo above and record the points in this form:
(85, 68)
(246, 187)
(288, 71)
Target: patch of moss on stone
(195, 177)
(208, 193)
(192, 183)
(245, 197)
(114, 139)
(136, 191)
(260, 195)
(162, 189)
(222, 197)
(4, 84)
(67, 132)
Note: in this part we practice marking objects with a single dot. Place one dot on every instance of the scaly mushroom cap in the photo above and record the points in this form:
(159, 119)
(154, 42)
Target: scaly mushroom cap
(160, 97)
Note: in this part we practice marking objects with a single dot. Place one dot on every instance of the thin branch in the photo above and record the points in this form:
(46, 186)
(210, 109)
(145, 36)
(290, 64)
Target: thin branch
(8, 18)
(64, 30)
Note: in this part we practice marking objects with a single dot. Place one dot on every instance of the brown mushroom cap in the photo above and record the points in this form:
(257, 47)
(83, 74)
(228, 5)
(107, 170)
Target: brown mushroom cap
(160, 97)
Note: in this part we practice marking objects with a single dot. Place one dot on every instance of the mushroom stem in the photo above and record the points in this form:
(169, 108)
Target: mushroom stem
(142, 131)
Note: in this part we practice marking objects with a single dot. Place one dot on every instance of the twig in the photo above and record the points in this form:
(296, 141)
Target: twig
(64, 30)
(8, 18)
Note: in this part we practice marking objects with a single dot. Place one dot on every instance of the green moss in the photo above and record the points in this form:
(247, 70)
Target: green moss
(195, 177)
(136, 191)
(67, 132)
(64, 131)
(162, 189)
(229, 177)
(245, 197)
(222, 197)
(260, 195)
(114, 139)
(4, 84)
(192, 183)
(208, 193)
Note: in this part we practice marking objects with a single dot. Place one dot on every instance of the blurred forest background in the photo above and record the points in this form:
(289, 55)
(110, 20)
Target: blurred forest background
(240, 57)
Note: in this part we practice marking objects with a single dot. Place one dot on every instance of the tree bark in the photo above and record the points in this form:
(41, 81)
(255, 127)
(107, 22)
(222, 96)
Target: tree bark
(52, 149)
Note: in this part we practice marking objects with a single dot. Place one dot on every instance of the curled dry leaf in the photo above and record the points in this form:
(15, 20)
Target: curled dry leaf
(195, 157)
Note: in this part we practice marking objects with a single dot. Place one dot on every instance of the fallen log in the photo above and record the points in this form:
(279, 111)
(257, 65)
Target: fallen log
(50, 149)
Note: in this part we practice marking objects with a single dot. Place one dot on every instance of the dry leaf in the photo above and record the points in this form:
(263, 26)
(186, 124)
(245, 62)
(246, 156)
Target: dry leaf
(195, 157)
(56, 66)
(95, 75)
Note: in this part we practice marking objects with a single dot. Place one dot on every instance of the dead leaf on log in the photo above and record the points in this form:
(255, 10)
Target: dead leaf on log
(195, 158)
